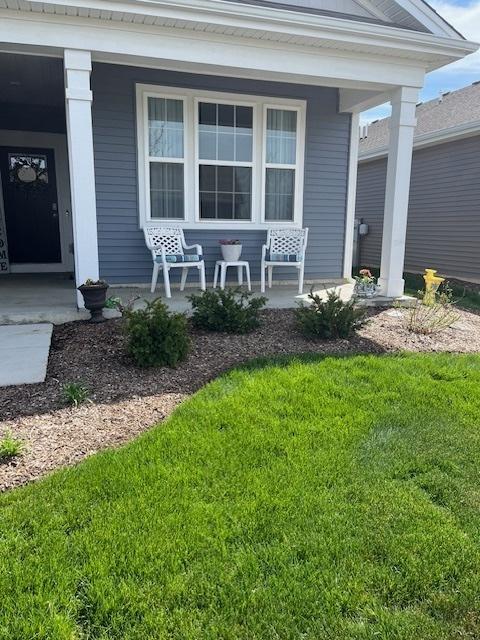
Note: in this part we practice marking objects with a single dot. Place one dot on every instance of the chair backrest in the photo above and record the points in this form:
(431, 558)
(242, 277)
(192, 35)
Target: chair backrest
(287, 241)
(170, 238)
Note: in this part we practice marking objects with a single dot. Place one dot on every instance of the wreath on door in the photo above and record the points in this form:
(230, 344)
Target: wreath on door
(28, 171)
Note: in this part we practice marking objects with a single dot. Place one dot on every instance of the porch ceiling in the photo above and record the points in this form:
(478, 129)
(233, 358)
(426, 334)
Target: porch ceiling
(31, 80)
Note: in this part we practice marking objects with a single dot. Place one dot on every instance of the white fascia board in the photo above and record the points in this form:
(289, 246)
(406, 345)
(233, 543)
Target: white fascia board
(292, 23)
(428, 140)
(217, 53)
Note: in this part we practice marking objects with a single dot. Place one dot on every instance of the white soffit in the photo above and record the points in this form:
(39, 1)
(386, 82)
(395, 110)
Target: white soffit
(260, 23)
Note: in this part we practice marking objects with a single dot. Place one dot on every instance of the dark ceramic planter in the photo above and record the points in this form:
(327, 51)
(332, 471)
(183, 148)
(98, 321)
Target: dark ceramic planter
(94, 298)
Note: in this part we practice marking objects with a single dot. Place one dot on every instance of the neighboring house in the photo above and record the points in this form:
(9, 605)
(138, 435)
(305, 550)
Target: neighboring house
(443, 229)
(224, 117)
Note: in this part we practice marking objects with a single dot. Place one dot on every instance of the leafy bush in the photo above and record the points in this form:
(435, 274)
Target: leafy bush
(430, 319)
(155, 336)
(10, 447)
(330, 318)
(230, 310)
(75, 393)
(113, 302)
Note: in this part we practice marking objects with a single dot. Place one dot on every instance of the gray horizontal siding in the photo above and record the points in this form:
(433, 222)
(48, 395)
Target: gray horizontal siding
(443, 229)
(123, 255)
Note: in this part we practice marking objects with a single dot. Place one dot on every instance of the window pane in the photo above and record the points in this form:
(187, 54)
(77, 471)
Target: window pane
(166, 190)
(208, 205)
(241, 207)
(208, 145)
(225, 192)
(226, 115)
(281, 136)
(244, 118)
(279, 194)
(243, 180)
(243, 147)
(165, 127)
(225, 179)
(208, 178)
(225, 206)
(226, 148)
(207, 113)
(225, 132)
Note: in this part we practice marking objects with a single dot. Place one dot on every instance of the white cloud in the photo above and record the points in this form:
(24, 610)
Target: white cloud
(467, 21)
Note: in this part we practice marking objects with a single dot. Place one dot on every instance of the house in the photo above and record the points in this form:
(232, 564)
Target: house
(224, 117)
(443, 229)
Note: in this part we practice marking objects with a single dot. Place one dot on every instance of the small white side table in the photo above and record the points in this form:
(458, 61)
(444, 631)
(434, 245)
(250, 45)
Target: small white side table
(222, 266)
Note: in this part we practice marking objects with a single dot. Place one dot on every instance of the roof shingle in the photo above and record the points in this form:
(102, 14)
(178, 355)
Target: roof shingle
(450, 110)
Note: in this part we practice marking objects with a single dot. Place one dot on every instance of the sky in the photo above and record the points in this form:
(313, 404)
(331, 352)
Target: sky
(464, 15)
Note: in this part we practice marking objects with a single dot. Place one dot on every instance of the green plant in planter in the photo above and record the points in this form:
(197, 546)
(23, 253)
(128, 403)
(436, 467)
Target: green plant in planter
(155, 336)
(10, 447)
(331, 318)
(230, 310)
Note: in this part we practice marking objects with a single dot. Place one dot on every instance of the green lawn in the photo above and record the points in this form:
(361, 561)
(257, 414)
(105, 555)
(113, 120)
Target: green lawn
(334, 498)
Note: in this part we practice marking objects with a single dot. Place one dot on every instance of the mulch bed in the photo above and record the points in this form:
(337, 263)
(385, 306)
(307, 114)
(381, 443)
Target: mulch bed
(125, 400)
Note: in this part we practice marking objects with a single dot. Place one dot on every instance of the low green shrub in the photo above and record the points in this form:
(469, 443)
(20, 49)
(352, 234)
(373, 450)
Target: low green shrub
(330, 318)
(230, 310)
(10, 447)
(155, 336)
(75, 393)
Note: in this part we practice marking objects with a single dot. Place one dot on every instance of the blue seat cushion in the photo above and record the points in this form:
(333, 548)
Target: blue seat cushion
(283, 257)
(180, 258)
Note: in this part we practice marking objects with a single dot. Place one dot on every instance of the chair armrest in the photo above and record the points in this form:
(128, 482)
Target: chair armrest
(264, 251)
(197, 247)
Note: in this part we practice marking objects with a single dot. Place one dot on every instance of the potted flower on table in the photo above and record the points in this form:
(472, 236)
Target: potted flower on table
(365, 284)
(231, 250)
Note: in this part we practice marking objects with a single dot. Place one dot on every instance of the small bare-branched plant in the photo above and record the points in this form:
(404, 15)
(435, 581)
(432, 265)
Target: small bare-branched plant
(430, 319)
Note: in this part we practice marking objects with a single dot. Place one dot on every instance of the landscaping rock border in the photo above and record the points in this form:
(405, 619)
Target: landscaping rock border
(125, 401)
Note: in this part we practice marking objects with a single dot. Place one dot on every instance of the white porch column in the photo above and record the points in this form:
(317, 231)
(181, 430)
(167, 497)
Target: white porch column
(402, 127)
(78, 66)
(351, 195)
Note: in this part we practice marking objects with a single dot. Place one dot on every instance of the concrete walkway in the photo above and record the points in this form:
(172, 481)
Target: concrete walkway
(24, 353)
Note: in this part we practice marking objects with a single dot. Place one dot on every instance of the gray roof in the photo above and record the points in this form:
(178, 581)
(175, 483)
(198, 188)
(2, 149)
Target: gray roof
(450, 110)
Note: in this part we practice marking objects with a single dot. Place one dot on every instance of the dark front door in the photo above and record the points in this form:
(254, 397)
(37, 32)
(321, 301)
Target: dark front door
(30, 202)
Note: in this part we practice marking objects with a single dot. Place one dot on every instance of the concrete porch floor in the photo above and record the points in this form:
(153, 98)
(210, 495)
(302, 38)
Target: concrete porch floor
(51, 297)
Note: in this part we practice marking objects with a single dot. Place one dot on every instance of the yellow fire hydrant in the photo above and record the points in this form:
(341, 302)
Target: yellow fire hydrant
(432, 282)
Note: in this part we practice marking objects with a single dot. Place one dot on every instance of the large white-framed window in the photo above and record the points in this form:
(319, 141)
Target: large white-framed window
(219, 161)
(281, 163)
(164, 142)
(225, 145)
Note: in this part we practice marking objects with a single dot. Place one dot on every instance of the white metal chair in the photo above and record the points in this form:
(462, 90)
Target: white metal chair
(284, 248)
(168, 246)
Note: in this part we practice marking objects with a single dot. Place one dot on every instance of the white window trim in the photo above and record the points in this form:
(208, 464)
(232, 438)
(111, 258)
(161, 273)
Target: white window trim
(191, 98)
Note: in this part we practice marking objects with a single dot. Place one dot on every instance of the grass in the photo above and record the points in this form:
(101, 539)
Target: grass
(317, 499)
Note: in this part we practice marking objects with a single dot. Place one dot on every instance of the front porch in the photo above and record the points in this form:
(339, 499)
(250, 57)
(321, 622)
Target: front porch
(29, 298)
(162, 125)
